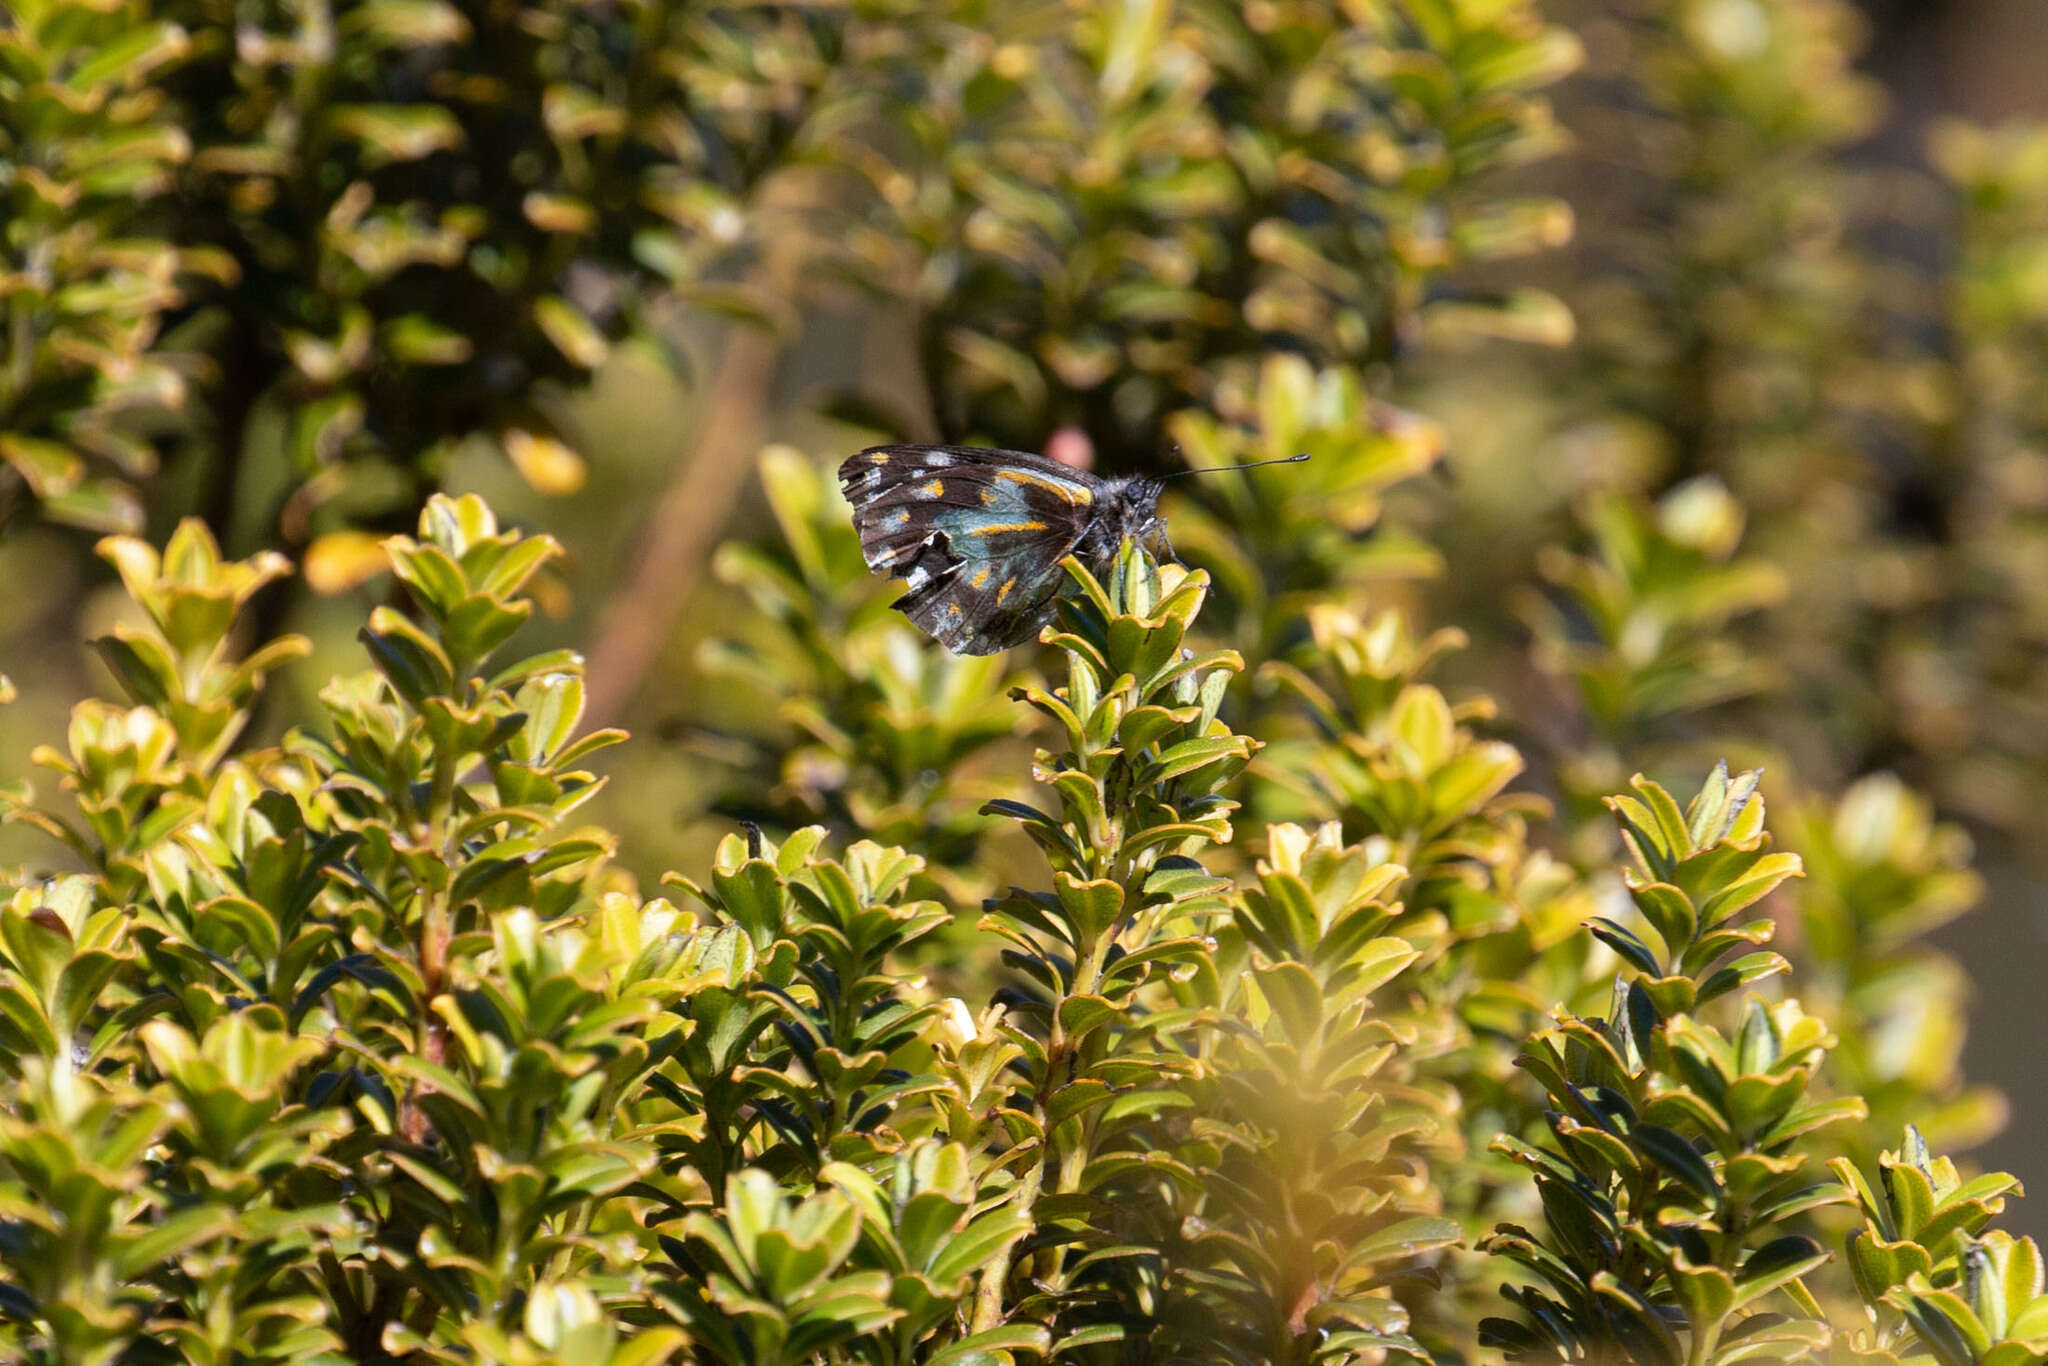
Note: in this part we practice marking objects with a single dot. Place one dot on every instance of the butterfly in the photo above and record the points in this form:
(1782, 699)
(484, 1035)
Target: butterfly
(979, 534)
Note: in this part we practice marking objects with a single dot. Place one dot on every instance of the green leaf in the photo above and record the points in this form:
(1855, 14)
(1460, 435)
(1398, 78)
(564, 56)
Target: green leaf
(444, 1188)
(139, 1256)
(1076, 1098)
(1707, 1292)
(572, 334)
(1092, 907)
(128, 58)
(50, 469)
(1408, 1238)
(978, 1349)
(1669, 912)
(1774, 1264)
(395, 132)
(103, 505)
(976, 1246)
(1677, 1158)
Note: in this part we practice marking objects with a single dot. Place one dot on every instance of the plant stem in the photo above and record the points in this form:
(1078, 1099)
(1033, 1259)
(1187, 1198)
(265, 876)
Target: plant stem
(995, 1277)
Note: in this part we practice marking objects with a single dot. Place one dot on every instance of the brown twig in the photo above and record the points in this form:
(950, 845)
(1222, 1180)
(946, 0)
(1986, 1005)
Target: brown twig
(692, 509)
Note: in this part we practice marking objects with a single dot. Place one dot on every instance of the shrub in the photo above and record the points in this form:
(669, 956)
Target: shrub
(357, 1046)
(1258, 971)
(402, 228)
(1837, 339)
(393, 227)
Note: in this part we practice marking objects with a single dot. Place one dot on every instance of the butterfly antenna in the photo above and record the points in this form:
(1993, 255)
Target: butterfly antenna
(1219, 469)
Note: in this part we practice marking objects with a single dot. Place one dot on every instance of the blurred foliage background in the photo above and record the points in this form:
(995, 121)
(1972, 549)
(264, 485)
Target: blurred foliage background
(1687, 355)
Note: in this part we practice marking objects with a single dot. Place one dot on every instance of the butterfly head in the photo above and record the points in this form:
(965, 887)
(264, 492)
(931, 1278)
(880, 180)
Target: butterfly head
(1126, 509)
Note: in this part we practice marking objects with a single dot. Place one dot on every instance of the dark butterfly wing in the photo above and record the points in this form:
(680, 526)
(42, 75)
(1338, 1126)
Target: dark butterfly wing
(972, 611)
(978, 535)
(899, 460)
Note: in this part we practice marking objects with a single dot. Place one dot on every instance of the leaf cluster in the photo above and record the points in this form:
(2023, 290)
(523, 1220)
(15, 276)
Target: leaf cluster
(1107, 211)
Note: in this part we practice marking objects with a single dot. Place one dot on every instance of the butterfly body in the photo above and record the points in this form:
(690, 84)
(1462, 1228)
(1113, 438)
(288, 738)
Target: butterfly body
(978, 535)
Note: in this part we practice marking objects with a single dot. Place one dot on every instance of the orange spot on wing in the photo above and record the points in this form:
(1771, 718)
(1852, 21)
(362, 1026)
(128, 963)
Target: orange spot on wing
(981, 579)
(1072, 493)
(935, 489)
(1004, 591)
(1001, 527)
(879, 458)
